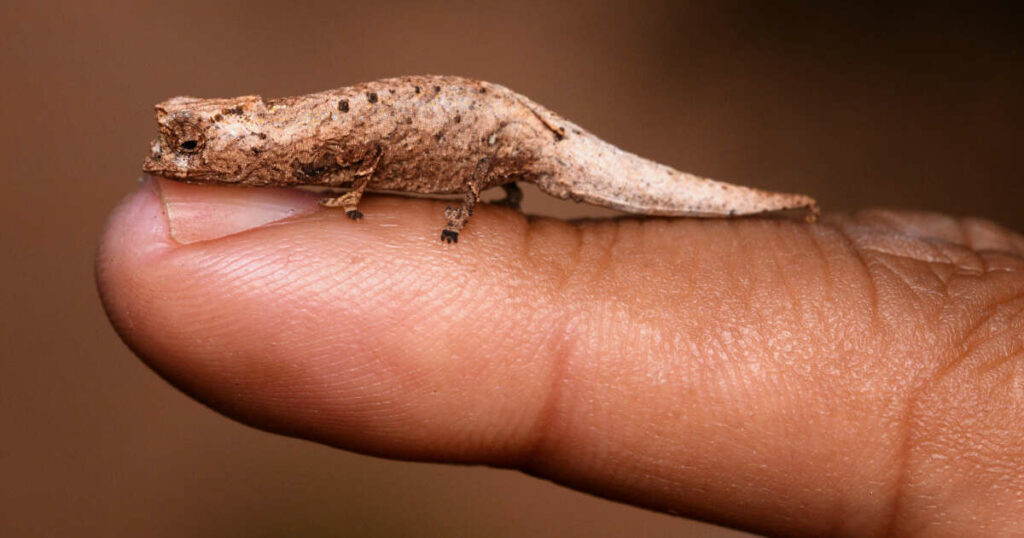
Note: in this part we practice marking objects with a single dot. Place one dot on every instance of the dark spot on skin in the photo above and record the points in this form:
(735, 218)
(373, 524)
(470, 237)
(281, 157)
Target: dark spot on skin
(458, 118)
(732, 212)
(371, 97)
(255, 151)
(261, 136)
(391, 90)
(236, 110)
(439, 136)
(482, 89)
(577, 131)
(437, 89)
(343, 105)
(417, 88)
(218, 117)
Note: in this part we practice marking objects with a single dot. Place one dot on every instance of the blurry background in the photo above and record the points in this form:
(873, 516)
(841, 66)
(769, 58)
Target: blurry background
(865, 106)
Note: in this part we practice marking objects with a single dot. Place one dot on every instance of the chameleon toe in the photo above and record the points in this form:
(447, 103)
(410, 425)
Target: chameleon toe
(354, 214)
(449, 236)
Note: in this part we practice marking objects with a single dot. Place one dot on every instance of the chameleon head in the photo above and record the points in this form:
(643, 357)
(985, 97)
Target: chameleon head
(207, 140)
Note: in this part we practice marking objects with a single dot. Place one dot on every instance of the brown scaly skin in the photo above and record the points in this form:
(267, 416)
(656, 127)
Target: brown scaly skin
(428, 135)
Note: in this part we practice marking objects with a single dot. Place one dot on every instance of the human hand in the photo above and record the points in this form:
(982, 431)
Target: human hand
(860, 376)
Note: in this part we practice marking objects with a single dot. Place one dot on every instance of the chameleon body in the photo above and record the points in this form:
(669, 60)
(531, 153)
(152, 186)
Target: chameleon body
(428, 135)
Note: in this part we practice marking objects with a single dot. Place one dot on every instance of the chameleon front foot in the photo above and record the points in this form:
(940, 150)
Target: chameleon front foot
(449, 236)
(348, 201)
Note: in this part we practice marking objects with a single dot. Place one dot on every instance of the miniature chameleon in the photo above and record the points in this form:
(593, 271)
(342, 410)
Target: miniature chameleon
(428, 135)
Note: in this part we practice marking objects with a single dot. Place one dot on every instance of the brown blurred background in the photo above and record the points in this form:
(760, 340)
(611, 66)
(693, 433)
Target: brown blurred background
(895, 106)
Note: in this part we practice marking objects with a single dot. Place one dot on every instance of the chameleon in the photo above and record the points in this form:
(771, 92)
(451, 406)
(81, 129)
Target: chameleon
(430, 135)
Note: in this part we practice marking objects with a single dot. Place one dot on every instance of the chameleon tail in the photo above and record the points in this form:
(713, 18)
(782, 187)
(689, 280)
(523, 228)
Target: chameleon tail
(599, 173)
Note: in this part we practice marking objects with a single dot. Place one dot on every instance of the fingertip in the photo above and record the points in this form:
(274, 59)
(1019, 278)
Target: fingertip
(136, 230)
(361, 334)
(137, 224)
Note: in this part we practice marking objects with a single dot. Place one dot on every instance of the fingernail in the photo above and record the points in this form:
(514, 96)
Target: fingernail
(204, 212)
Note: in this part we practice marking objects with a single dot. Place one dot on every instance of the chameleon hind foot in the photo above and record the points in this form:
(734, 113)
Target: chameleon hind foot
(513, 197)
(457, 217)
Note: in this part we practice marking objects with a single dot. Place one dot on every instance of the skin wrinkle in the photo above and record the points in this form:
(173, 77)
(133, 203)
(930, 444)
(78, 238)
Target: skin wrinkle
(967, 339)
(973, 344)
(905, 424)
(815, 237)
(324, 287)
(916, 225)
(978, 441)
(538, 448)
(902, 461)
(975, 328)
(1012, 353)
(526, 242)
(989, 257)
(746, 288)
(295, 286)
(904, 447)
(787, 284)
(606, 245)
(249, 266)
(964, 260)
(943, 272)
(982, 235)
(574, 253)
(865, 265)
(967, 233)
(689, 280)
(882, 251)
(915, 395)
(914, 289)
(561, 286)
(1015, 352)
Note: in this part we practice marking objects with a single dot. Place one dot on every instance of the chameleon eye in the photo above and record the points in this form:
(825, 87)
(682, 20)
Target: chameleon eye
(184, 135)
